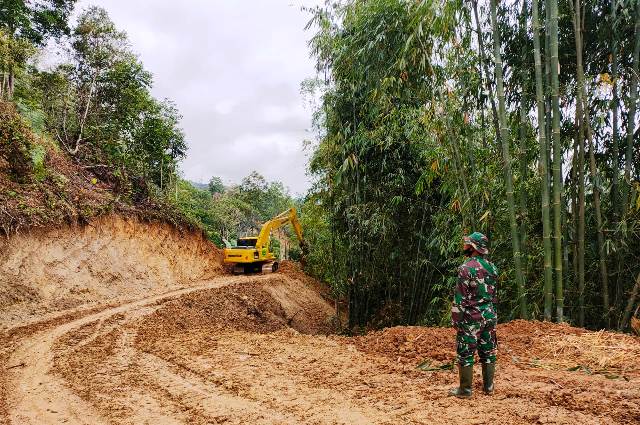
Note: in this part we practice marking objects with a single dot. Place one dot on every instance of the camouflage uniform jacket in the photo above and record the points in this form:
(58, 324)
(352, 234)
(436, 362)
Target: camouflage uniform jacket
(475, 293)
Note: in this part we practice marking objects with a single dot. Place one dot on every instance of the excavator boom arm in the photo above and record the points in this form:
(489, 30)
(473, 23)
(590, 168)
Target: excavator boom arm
(289, 216)
(252, 260)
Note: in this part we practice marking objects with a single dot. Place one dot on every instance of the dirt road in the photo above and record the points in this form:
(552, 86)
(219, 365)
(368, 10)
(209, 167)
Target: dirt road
(227, 351)
(37, 395)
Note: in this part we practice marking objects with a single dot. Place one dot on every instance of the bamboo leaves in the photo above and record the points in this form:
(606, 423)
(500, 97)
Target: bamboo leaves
(429, 106)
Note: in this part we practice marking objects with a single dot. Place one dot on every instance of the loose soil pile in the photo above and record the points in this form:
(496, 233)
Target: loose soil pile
(293, 270)
(525, 344)
(260, 304)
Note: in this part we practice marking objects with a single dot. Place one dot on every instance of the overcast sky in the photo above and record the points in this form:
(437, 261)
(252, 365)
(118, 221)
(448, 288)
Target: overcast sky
(234, 69)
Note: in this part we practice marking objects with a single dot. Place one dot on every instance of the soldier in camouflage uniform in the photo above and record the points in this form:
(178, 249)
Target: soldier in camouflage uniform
(474, 315)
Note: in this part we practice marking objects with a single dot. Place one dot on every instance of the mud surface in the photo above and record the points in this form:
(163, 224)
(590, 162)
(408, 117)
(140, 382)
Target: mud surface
(256, 349)
(177, 342)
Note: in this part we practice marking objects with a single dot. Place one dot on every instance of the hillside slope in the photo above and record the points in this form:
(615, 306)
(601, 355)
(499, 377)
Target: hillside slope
(108, 260)
(43, 186)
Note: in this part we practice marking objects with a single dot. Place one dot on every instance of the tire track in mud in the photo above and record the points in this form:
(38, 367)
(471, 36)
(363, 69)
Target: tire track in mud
(280, 372)
(194, 392)
(36, 396)
(187, 356)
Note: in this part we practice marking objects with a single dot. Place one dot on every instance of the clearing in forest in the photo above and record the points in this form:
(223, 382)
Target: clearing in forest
(260, 349)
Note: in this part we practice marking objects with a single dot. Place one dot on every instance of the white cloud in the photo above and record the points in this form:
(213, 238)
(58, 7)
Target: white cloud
(224, 107)
(274, 114)
(234, 70)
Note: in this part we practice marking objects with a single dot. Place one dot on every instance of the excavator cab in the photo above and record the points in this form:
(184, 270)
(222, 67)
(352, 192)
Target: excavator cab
(252, 254)
(247, 242)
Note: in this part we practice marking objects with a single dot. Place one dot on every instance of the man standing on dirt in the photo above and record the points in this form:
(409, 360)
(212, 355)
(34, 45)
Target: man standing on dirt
(474, 315)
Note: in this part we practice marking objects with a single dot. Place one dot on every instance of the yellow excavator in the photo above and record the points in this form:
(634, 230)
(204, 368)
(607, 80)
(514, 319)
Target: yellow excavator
(252, 254)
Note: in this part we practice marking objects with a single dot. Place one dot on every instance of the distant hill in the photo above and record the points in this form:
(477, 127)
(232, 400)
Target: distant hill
(201, 186)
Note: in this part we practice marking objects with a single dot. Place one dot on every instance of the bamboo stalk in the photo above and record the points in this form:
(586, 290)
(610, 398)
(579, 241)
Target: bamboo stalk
(614, 107)
(633, 97)
(546, 219)
(604, 274)
(615, 163)
(523, 141)
(504, 133)
(581, 117)
(484, 71)
(552, 27)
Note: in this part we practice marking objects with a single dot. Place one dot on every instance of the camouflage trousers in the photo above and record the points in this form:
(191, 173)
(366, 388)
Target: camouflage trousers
(478, 336)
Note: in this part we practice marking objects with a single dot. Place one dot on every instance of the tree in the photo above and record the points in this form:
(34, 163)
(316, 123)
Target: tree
(25, 23)
(36, 21)
(216, 186)
(397, 140)
(101, 110)
(157, 143)
(14, 54)
(584, 119)
(97, 45)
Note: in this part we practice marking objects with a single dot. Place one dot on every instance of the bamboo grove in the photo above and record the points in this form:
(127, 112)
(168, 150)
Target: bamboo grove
(437, 118)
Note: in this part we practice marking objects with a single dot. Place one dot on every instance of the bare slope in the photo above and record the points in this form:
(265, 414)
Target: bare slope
(106, 261)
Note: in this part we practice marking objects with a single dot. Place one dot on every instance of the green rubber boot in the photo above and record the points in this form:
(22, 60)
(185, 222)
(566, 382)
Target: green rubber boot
(466, 379)
(488, 370)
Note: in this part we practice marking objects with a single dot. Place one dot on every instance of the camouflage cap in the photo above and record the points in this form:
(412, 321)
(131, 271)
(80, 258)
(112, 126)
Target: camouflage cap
(478, 241)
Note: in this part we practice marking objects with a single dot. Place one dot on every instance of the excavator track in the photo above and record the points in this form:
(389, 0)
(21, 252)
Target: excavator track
(253, 268)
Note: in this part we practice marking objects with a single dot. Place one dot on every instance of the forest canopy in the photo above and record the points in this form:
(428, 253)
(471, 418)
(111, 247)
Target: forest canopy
(439, 118)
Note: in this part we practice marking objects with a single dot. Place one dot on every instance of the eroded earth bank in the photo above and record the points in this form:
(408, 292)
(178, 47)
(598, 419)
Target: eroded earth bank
(130, 322)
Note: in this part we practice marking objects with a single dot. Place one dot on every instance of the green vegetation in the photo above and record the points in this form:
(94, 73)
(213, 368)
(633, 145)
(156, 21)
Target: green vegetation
(426, 135)
(97, 107)
(226, 213)
(88, 132)
(436, 119)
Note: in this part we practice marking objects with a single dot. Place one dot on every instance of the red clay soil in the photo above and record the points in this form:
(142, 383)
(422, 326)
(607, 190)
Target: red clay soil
(252, 350)
(526, 344)
(293, 270)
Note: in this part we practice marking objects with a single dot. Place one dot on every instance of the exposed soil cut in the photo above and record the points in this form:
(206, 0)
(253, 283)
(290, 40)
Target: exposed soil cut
(189, 346)
(111, 259)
